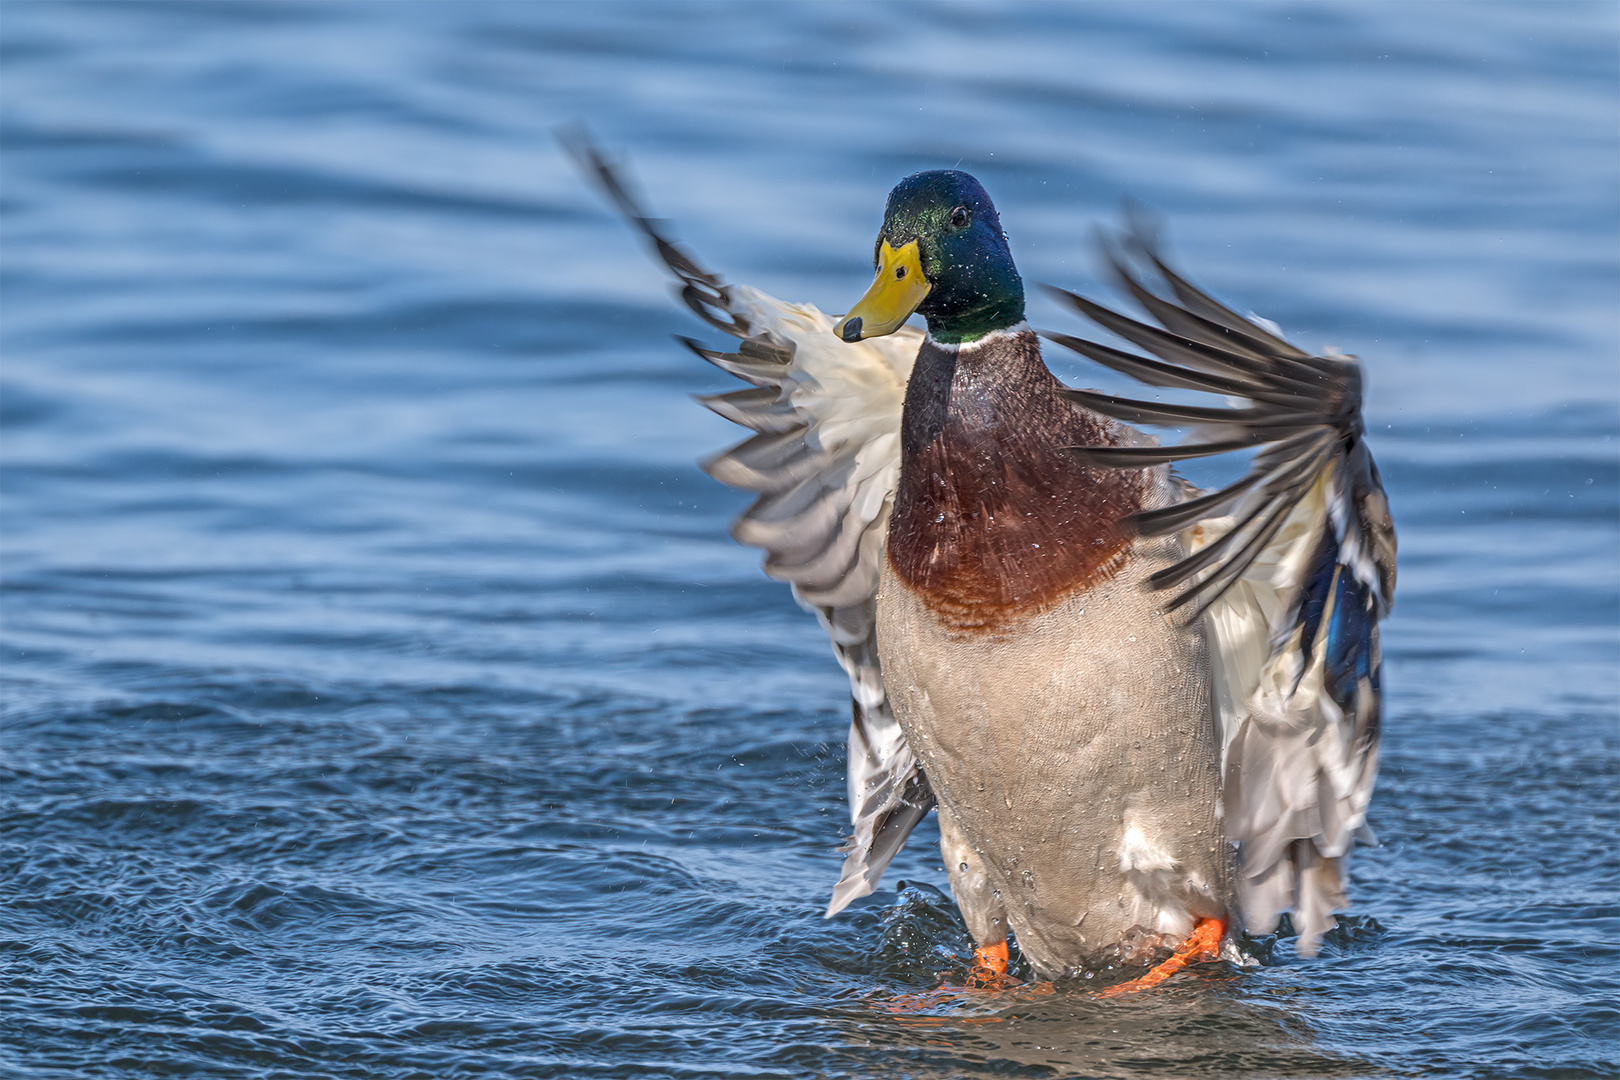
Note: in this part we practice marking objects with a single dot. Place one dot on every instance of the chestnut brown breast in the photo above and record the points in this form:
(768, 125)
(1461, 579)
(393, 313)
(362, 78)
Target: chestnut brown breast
(992, 520)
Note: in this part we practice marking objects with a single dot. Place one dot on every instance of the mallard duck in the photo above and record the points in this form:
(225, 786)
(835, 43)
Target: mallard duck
(1147, 714)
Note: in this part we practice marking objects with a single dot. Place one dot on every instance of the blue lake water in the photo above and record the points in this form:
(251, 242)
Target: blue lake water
(383, 697)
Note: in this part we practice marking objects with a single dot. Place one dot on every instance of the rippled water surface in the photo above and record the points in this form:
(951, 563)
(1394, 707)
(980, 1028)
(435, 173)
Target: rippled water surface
(383, 695)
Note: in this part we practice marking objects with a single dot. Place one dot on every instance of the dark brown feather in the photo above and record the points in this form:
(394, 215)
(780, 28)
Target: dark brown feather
(993, 521)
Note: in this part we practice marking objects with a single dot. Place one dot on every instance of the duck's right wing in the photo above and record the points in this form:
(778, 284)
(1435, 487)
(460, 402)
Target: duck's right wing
(825, 462)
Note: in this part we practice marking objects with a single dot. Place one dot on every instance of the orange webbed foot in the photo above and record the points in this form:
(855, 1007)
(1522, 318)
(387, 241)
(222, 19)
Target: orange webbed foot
(989, 970)
(987, 973)
(1203, 945)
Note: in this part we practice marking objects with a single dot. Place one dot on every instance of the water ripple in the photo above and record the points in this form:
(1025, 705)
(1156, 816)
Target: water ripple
(383, 697)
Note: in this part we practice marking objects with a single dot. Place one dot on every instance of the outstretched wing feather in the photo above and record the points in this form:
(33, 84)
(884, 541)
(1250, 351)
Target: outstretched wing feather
(825, 460)
(1153, 372)
(1139, 457)
(758, 409)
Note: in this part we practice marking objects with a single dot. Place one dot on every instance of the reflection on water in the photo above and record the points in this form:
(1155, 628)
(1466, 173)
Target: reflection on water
(1195, 1031)
(1202, 1024)
(384, 697)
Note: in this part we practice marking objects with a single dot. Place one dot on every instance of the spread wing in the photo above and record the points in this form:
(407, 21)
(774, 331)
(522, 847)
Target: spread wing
(824, 461)
(1291, 568)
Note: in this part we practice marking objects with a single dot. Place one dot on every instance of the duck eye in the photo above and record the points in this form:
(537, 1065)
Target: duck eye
(961, 216)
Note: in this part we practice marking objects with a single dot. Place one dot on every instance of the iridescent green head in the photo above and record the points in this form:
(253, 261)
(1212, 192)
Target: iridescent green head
(942, 254)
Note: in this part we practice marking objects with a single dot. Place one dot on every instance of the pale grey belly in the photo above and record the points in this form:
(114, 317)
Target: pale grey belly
(1077, 755)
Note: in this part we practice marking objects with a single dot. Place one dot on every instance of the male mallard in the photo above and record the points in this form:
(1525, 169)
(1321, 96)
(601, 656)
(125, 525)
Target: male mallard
(990, 552)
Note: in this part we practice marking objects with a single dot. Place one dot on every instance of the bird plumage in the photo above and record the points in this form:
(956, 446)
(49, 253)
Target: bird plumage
(1136, 704)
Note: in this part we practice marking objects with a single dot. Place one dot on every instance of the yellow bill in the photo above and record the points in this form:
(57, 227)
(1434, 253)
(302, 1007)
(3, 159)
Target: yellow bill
(895, 293)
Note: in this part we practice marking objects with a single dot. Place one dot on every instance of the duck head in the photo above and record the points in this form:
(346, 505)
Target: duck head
(941, 254)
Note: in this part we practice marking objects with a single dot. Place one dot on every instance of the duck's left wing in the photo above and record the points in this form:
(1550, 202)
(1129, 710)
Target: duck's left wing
(1291, 568)
(825, 462)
